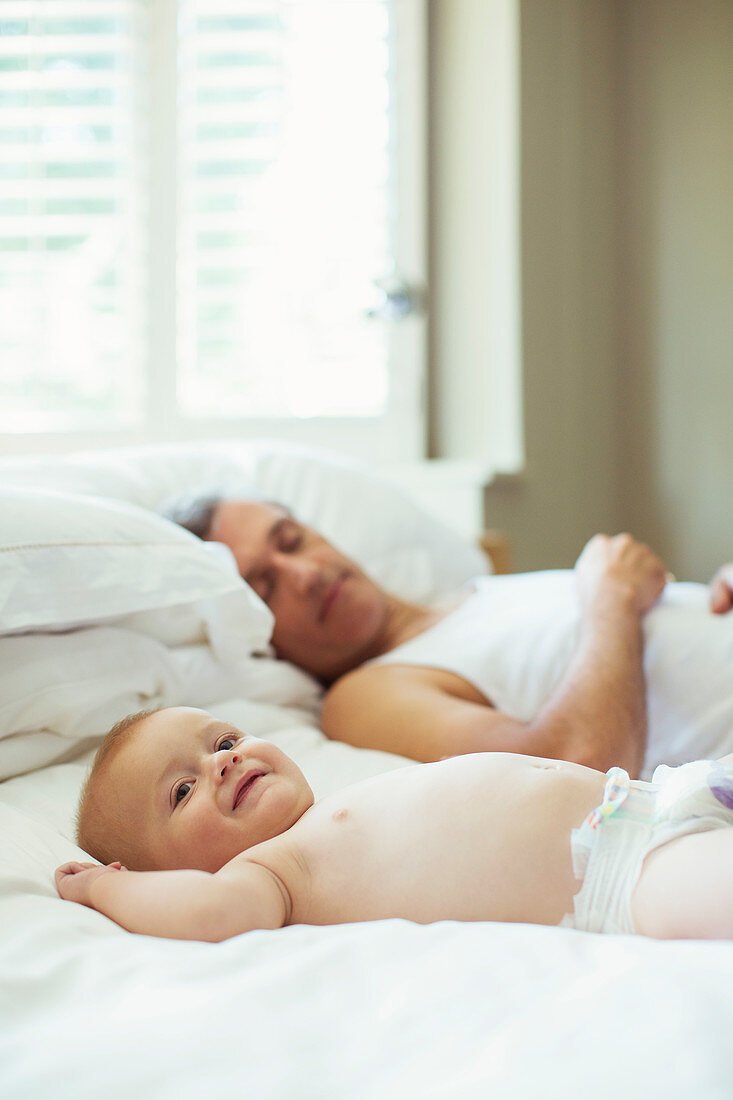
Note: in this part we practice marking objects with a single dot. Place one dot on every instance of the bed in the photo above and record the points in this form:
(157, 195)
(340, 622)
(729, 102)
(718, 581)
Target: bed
(106, 607)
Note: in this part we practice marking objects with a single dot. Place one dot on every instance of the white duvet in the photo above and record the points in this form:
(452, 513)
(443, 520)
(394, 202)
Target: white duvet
(385, 1009)
(379, 1010)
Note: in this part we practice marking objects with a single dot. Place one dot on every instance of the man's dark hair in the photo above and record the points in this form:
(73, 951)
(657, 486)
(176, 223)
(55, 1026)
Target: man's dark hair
(196, 514)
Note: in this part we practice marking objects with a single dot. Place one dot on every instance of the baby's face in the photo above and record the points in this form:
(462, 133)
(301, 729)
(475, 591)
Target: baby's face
(198, 792)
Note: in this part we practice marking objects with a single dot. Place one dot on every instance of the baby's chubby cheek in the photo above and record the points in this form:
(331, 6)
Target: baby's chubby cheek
(206, 844)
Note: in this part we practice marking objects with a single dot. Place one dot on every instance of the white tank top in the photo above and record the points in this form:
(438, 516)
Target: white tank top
(513, 637)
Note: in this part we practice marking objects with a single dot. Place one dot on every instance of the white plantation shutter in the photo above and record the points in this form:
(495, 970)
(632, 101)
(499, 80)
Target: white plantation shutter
(71, 188)
(284, 210)
(196, 197)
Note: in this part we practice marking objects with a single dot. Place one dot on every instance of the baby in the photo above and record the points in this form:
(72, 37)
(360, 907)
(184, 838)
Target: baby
(221, 835)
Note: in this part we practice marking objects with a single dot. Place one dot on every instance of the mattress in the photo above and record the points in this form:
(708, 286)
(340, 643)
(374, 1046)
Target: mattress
(381, 1009)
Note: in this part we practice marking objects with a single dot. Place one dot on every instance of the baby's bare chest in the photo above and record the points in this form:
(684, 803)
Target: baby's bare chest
(436, 844)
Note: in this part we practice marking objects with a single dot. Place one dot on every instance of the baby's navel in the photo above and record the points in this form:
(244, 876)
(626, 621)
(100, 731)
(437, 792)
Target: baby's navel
(339, 815)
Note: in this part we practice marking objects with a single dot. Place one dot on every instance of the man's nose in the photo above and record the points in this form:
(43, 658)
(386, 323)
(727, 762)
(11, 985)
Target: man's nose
(302, 573)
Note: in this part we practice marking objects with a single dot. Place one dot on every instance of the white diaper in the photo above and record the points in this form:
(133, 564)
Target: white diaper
(634, 818)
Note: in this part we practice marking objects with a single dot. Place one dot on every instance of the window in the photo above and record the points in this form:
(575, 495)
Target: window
(196, 199)
(71, 236)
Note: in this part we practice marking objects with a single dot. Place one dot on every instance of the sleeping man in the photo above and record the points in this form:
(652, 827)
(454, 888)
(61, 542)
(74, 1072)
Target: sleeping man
(550, 664)
(222, 836)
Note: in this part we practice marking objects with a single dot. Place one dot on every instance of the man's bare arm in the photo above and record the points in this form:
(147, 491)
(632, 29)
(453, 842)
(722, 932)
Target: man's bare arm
(595, 716)
(185, 905)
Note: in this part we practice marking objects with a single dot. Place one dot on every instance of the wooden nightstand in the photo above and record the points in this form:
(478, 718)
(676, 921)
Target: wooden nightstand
(498, 549)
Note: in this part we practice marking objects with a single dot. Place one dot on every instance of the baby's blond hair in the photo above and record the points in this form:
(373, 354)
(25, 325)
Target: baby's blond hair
(100, 828)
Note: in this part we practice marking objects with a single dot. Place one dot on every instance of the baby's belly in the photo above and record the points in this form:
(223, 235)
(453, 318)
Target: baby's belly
(485, 837)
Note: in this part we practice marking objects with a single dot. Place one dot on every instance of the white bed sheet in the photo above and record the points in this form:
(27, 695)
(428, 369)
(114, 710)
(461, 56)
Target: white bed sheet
(385, 1009)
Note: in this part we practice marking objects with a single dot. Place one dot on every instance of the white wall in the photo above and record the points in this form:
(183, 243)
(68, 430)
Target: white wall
(676, 277)
(566, 58)
(626, 222)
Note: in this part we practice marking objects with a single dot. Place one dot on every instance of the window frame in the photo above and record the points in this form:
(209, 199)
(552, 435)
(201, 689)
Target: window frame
(398, 436)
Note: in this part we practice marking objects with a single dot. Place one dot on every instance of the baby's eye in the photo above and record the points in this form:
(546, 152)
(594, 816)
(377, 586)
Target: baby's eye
(182, 791)
(227, 743)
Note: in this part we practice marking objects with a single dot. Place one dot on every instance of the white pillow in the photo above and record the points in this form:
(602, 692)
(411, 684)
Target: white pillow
(370, 519)
(68, 560)
(61, 692)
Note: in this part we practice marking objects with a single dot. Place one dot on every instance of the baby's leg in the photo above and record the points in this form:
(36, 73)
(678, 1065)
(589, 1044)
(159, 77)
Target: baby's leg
(685, 890)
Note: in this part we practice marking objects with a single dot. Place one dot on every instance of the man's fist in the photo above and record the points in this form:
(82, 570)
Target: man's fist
(721, 590)
(618, 569)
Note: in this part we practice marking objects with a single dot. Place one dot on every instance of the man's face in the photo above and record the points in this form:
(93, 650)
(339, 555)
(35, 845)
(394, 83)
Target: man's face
(327, 611)
(199, 791)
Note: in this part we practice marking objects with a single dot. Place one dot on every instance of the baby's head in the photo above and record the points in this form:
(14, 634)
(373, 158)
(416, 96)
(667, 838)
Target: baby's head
(177, 788)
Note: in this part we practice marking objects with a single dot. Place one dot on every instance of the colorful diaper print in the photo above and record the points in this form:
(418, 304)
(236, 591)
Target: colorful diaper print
(615, 794)
(720, 781)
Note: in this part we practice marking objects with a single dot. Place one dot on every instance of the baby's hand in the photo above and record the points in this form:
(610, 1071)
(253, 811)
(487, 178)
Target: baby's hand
(74, 880)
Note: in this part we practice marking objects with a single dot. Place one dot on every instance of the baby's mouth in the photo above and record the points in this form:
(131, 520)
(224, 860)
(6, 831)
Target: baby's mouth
(245, 785)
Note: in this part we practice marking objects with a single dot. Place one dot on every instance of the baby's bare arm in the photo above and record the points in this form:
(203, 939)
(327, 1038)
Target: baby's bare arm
(184, 905)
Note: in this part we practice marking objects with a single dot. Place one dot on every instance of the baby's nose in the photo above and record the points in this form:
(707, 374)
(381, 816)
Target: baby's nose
(224, 758)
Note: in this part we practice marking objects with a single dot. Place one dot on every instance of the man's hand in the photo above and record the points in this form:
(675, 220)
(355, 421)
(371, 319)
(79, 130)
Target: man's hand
(721, 590)
(74, 880)
(619, 570)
